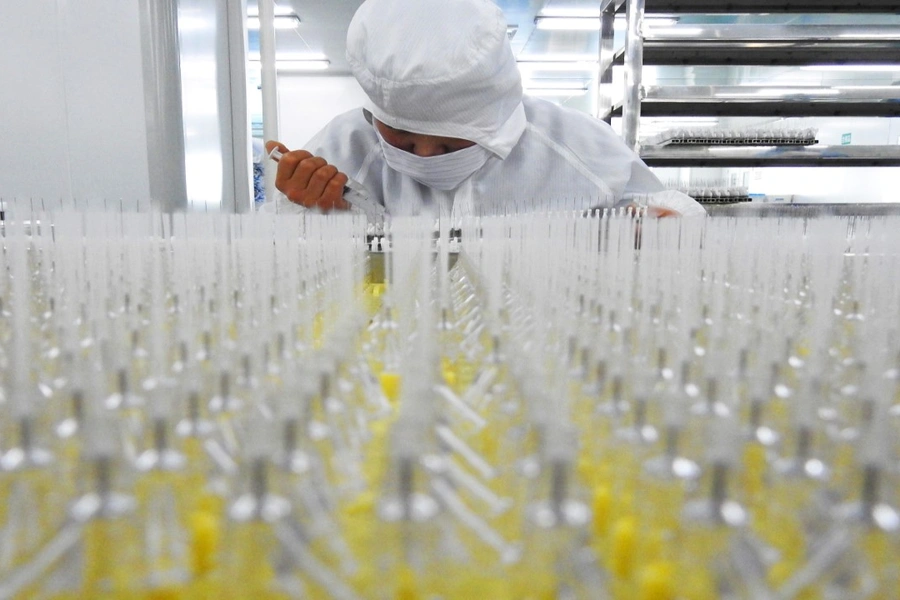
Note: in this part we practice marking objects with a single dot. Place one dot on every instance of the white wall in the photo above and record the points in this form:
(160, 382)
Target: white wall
(214, 112)
(72, 119)
(198, 29)
(307, 103)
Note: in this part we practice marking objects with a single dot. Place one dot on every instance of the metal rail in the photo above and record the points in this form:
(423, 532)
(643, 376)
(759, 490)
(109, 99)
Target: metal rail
(773, 6)
(789, 45)
(773, 32)
(606, 60)
(634, 65)
(752, 101)
(782, 156)
(764, 53)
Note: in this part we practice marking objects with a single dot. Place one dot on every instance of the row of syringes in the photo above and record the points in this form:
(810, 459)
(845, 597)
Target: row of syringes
(601, 406)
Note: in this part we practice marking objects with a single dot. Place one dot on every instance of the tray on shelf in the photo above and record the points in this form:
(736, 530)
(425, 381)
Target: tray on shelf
(748, 136)
(756, 100)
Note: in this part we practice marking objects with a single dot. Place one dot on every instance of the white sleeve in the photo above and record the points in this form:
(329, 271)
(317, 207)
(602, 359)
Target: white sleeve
(677, 201)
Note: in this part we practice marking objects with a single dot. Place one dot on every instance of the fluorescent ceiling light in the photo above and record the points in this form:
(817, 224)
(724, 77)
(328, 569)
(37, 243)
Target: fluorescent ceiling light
(567, 23)
(873, 88)
(676, 31)
(873, 35)
(254, 56)
(798, 91)
(281, 22)
(778, 92)
(555, 85)
(557, 65)
(297, 63)
(592, 23)
(569, 11)
(851, 68)
(253, 11)
(653, 22)
(189, 23)
(675, 121)
(302, 65)
(555, 91)
(557, 57)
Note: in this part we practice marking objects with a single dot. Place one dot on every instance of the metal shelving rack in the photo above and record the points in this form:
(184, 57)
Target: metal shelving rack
(779, 156)
(753, 45)
(772, 6)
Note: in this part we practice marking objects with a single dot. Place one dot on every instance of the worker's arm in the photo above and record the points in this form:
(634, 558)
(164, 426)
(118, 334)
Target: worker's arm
(645, 189)
(668, 203)
(673, 203)
(652, 212)
(309, 180)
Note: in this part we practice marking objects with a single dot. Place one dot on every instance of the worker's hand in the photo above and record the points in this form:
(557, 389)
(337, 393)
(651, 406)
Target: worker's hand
(653, 212)
(309, 180)
(672, 203)
(659, 212)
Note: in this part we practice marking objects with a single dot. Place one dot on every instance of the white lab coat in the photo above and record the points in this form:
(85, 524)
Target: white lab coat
(446, 68)
(564, 160)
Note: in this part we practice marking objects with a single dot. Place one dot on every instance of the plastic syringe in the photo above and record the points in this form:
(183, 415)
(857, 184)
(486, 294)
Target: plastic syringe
(355, 194)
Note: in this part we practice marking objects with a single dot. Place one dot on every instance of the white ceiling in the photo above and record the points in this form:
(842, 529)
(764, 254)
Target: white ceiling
(323, 29)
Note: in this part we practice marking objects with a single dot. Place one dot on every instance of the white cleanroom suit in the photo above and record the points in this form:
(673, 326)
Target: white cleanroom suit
(446, 68)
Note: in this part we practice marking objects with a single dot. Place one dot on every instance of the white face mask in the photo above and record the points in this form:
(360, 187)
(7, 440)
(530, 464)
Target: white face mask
(443, 172)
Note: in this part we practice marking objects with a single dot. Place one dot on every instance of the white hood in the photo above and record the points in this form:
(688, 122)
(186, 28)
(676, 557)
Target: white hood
(439, 67)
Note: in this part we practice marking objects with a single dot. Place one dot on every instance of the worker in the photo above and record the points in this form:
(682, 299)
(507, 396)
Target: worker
(447, 128)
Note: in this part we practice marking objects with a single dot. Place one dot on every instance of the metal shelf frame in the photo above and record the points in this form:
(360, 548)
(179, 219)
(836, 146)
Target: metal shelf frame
(787, 45)
(773, 156)
(743, 44)
(773, 6)
(770, 53)
(698, 107)
(743, 32)
(756, 101)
